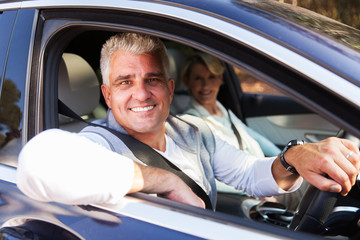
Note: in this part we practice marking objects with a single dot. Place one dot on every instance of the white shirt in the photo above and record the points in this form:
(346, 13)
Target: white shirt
(79, 171)
(174, 154)
(221, 127)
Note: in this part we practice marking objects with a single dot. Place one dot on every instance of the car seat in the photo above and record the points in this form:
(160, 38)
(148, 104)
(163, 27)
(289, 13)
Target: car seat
(79, 89)
(181, 95)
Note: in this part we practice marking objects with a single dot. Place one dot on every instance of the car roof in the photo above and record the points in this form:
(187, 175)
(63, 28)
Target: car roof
(325, 41)
(330, 43)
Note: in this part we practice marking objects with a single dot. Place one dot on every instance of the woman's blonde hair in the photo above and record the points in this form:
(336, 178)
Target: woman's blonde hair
(212, 63)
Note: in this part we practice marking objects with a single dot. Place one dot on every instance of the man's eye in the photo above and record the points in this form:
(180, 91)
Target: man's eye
(125, 82)
(150, 80)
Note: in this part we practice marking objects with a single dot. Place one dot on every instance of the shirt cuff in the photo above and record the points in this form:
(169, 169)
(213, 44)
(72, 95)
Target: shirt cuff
(272, 188)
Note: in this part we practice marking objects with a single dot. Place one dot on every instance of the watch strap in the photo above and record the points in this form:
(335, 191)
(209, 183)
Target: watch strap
(282, 158)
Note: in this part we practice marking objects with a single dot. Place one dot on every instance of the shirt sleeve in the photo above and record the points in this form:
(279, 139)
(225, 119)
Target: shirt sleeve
(69, 168)
(246, 172)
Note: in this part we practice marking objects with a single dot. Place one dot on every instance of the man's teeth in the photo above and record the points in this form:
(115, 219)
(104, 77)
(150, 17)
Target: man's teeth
(142, 109)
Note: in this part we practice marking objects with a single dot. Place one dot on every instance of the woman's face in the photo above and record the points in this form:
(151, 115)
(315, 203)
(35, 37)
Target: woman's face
(203, 85)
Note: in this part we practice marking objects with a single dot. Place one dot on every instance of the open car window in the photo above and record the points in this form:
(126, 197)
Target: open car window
(68, 53)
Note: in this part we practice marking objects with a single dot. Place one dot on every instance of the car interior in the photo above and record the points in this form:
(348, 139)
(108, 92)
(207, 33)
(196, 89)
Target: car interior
(79, 81)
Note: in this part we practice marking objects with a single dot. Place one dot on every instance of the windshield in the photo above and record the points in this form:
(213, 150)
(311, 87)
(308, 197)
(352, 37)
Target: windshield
(341, 32)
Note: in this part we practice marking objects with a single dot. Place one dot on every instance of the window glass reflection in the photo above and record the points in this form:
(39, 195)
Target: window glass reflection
(250, 84)
(10, 118)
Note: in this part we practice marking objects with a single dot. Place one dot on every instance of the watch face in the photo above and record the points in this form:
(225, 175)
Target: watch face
(296, 142)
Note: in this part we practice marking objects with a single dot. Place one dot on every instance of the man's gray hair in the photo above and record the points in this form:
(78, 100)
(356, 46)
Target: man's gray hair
(136, 44)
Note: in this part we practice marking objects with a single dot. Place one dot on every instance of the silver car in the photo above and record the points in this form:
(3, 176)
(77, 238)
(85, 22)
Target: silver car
(290, 73)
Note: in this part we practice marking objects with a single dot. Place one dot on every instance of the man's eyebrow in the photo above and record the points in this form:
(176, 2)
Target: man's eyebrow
(120, 78)
(155, 74)
(129, 76)
(123, 77)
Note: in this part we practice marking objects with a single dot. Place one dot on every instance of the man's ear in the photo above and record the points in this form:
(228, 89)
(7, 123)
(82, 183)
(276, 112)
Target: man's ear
(171, 86)
(106, 93)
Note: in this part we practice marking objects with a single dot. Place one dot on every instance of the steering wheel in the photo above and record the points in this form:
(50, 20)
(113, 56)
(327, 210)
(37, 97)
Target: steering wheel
(316, 205)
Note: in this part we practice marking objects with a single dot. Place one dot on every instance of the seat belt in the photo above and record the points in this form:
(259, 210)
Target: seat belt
(145, 153)
(236, 132)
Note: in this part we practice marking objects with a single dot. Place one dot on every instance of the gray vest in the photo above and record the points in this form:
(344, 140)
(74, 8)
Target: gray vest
(191, 134)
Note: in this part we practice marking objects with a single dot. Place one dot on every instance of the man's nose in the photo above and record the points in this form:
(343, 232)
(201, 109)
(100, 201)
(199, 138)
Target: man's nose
(141, 92)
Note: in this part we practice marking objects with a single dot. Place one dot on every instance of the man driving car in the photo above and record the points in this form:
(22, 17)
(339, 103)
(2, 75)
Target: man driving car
(138, 92)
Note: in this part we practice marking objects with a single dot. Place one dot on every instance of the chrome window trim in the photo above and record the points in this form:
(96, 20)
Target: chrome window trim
(184, 222)
(27, 82)
(10, 6)
(319, 74)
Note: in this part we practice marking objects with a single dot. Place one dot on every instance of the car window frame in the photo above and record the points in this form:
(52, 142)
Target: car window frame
(16, 69)
(47, 115)
(241, 56)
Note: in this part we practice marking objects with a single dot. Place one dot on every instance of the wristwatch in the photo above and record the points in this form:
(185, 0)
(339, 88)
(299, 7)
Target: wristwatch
(282, 158)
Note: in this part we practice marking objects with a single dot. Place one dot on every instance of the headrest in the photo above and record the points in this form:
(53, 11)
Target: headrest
(181, 98)
(176, 63)
(78, 86)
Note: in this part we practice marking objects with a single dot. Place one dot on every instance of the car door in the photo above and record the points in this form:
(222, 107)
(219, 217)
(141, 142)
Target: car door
(67, 31)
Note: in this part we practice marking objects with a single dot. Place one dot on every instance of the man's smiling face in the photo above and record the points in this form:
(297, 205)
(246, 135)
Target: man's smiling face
(139, 94)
